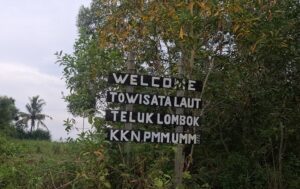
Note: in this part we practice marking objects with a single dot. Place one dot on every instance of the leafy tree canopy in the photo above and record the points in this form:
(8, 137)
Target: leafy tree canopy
(34, 115)
(246, 53)
(8, 111)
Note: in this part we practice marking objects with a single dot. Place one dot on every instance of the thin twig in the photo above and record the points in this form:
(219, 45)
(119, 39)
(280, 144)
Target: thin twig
(52, 180)
(210, 68)
(67, 184)
(121, 153)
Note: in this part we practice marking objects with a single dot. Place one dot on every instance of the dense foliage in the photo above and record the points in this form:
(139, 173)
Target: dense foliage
(247, 54)
(8, 113)
(34, 115)
(37, 134)
(13, 123)
(36, 164)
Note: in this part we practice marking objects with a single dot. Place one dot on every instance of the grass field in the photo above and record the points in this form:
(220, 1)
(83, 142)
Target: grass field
(28, 164)
(35, 164)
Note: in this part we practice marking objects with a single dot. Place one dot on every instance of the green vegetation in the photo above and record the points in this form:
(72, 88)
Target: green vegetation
(34, 115)
(88, 162)
(247, 55)
(245, 52)
(8, 113)
(13, 123)
(35, 164)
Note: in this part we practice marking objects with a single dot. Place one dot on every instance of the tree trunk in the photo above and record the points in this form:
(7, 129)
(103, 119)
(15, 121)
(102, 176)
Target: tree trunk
(32, 125)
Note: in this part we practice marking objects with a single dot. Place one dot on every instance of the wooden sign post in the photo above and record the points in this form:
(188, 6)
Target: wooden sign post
(179, 155)
(129, 117)
(129, 107)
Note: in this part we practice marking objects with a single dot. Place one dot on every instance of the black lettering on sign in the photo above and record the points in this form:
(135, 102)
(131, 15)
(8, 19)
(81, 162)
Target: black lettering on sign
(153, 81)
(152, 137)
(153, 100)
(152, 118)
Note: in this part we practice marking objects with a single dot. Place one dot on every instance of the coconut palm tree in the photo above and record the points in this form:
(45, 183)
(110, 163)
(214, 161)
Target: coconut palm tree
(34, 115)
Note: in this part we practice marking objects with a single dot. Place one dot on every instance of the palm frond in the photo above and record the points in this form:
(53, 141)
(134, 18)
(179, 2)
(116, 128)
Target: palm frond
(43, 124)
(34, 115)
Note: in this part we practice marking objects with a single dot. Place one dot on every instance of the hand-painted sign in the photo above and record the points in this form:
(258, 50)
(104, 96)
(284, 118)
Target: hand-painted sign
(152, 118)
(154, 81)
(153, 100)
(153, 137)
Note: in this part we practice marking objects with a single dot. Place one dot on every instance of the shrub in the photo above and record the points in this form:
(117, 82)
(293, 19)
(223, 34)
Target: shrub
(38, 134)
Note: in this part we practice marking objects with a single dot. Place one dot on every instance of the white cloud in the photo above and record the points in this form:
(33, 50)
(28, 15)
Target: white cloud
(20, 82)
(31, 32)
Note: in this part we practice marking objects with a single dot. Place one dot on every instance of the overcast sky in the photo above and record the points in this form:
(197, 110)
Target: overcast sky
(31, 31)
